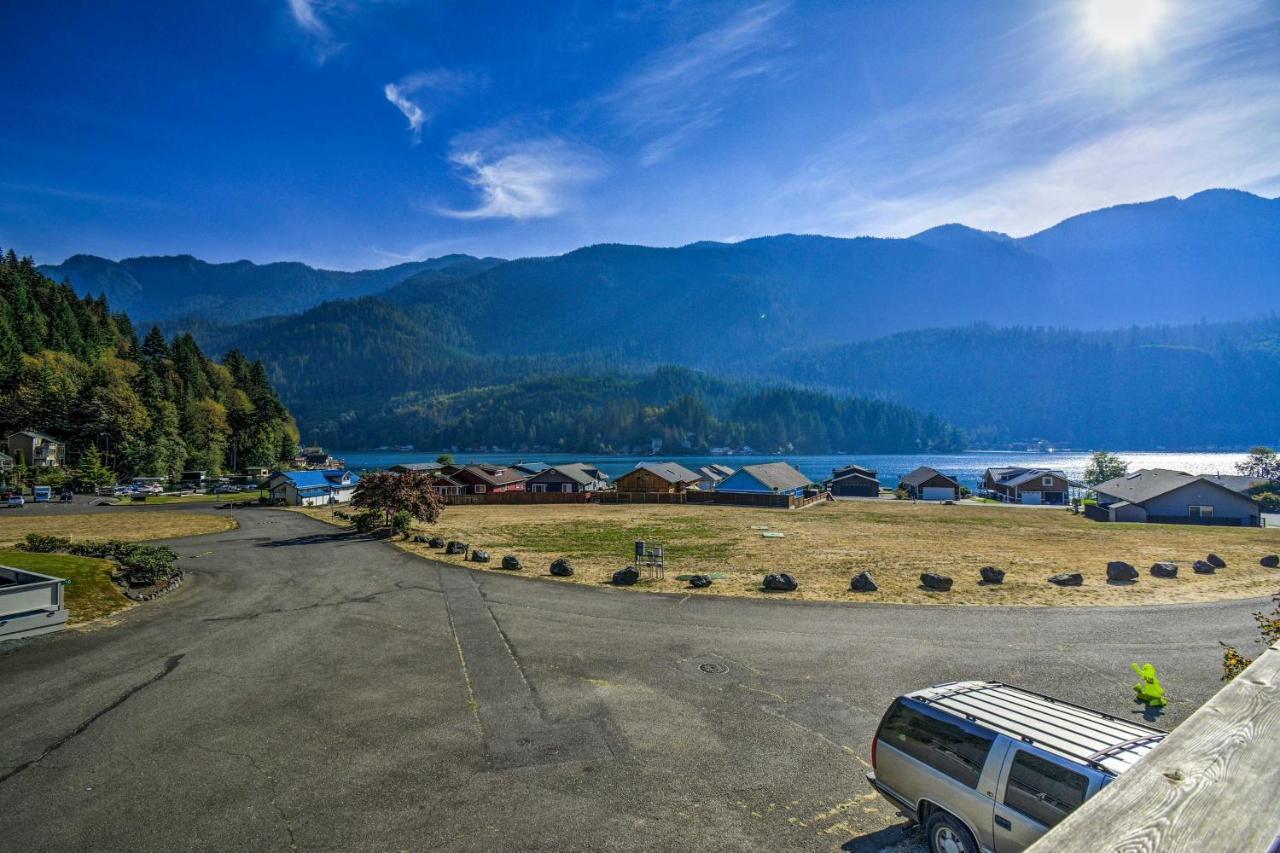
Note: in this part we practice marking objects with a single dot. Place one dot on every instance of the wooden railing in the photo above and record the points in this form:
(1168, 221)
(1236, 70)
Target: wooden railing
(1211, 785)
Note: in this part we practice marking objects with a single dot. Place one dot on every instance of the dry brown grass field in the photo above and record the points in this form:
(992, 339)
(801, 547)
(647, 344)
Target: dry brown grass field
(131, 526)
(823, 546)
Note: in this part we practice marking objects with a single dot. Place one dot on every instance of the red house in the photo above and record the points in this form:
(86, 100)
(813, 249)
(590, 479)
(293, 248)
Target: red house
(482, 479)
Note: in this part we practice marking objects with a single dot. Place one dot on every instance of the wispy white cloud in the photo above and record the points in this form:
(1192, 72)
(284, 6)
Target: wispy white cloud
(307, 15)
(1057, 128)
(526, 179)
(682, 89)
(418, 95)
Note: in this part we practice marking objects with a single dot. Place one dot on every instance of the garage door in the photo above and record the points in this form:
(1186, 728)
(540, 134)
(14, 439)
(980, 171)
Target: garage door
(937, 493)
(1031, 497)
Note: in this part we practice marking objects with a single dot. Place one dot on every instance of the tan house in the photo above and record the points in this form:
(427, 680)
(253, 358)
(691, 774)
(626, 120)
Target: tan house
(36, 449)
(657, 477)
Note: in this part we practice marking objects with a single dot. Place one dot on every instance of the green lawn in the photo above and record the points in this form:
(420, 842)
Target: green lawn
(90, 595)
(189, 499)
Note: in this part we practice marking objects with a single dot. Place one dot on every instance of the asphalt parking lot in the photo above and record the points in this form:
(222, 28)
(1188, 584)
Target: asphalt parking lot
(307, 689)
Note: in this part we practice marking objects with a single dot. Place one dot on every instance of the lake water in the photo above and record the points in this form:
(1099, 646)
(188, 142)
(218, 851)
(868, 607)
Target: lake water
(967, 468)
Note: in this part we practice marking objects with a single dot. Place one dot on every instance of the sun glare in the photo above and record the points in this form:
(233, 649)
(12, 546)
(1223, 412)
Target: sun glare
(1121, 24)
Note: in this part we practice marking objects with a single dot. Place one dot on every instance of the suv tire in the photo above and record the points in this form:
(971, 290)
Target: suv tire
(945, 834)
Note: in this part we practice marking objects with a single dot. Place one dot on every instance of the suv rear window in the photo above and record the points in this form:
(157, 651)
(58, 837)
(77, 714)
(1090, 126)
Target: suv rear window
(1042, 790)
(945, 744)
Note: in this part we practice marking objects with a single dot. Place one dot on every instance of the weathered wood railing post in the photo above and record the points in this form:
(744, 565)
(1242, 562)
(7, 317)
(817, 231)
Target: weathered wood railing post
(1213, 784)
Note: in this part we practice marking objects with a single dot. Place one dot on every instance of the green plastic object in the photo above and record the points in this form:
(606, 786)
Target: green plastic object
(1149, 689)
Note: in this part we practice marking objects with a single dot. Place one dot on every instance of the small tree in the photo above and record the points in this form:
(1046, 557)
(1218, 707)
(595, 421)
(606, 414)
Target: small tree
(445, 458)
(1262, 462)
(1104, 466)
(1234, 663)
(412, 492)
(90, 472)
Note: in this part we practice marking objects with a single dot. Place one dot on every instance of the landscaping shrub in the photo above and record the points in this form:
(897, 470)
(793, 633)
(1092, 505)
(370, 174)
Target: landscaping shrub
(401, 523)
(42, 544)
(367, 522)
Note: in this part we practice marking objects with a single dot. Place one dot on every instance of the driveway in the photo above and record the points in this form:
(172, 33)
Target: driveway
(310, 690)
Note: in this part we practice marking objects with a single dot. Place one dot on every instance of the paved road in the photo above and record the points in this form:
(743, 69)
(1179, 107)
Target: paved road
(311, 690)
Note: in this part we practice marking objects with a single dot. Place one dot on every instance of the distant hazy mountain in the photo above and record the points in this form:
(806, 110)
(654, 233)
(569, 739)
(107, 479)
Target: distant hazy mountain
(163, 288)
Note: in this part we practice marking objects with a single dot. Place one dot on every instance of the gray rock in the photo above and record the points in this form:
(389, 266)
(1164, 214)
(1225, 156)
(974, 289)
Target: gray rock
(456, 547)
(1164, 570)
(863, 582)
(1216, 561)
(435, 542)
(626, 576)
(990, 574)
(700, 581)
(512, 563)
(1271, 561)
(1204, 567)
(1067, 579)
(562, 568)
(780, 582)
(935, 581)
(420, 538)
(1119, 570)
(479, 555)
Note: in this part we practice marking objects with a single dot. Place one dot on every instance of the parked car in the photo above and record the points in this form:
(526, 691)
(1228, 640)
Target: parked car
(15, 501)
(984, 766)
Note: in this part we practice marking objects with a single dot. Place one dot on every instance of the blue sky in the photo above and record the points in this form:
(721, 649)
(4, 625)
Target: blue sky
(350, 133)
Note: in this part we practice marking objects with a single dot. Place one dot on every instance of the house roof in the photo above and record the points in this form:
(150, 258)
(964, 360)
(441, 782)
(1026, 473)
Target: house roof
(317, 479)
(416, 466)
(725, 470)
(1147, 483)
(776, 475)
(532, 467)
(845, 470)
(33, 433)
(583, 475)
(712, 473)
(923, 474)
(1017, 476)
(495, 475)
(853, 475)
(1237, 482)
(669, 471)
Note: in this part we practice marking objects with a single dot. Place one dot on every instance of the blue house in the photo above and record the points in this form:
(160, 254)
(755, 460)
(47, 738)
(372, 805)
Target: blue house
(312, 488)
(771, 478)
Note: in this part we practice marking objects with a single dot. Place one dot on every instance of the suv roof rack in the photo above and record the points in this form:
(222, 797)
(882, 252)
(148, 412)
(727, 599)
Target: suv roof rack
(1092, 738)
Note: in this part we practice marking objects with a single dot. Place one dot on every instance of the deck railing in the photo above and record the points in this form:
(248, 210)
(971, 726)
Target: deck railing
(1211, 785)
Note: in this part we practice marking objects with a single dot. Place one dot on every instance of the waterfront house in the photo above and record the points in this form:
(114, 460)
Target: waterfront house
(569, 477)
(929, 484)
(487, 479)
(709, 476)
(312, 488)
(1160, 495)
(853, 481)
(1026, 485)
(657, 477)
(36, 449)
(407, 467)
(770, 478)
(531, 468)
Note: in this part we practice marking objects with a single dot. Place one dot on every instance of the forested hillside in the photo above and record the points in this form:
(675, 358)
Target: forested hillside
(73, 368)
(165, 288)
(1184, 386)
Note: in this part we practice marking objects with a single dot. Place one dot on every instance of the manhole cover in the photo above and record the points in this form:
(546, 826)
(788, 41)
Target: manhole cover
(714, 668)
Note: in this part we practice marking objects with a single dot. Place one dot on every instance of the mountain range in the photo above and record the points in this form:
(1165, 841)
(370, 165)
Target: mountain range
(1007, 337)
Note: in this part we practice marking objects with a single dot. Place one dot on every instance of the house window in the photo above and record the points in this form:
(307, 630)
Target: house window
(479, 490)
(1046, 481)
(1194, 511)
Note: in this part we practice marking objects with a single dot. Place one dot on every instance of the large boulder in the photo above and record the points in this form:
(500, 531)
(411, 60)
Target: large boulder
(435, 542)
(626, 576)
(1067, 579)
(1216, 561)
(1119, 570)
(1271, 561)
(512, 563)
(935, 581)
(1204, 567)
(780, 582)
(1164, 570)
(456, 547)
(863, 582)
(700, 581)
(562, 568)
(419, 538)
(479, 555)
(990, 574)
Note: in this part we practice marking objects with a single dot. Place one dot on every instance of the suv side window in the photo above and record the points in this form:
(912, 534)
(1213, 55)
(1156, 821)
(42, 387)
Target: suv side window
(945, 744)
(1042, 790)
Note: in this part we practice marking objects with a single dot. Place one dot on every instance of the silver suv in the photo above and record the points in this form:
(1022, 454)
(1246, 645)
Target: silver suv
(988, 767)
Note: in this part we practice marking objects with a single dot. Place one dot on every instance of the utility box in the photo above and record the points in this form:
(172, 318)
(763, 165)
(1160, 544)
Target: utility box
(30, 604)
